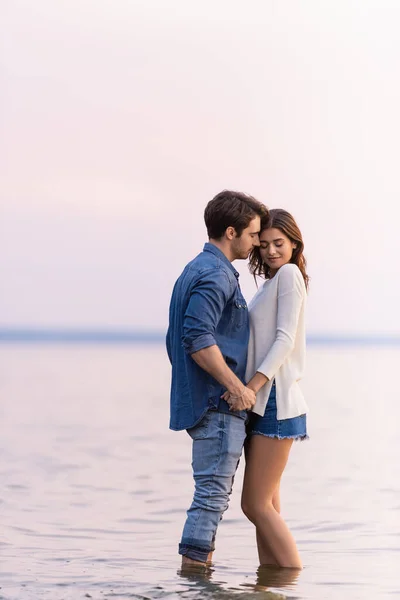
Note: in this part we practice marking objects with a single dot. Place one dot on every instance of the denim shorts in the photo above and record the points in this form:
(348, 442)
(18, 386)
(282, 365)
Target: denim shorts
(268, 425)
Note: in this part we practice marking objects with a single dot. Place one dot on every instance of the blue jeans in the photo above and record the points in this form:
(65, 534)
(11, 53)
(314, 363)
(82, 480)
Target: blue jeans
(217, 446)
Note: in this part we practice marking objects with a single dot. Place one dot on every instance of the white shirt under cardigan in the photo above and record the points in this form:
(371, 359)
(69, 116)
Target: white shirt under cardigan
(277, 341)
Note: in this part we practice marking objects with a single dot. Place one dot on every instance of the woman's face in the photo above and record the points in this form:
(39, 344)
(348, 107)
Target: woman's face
(276, 249)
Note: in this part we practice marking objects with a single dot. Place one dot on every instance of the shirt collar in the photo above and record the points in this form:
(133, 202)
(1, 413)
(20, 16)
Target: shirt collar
(214, 250)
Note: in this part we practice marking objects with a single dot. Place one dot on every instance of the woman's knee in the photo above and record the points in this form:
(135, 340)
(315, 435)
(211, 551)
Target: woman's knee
(276, 502)
(247, 509)
(255, 511)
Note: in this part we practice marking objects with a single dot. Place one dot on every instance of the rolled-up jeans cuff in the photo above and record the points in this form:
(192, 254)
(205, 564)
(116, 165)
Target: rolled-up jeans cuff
(194, 552)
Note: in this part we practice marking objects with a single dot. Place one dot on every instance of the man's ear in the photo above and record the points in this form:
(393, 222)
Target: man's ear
(230, 233)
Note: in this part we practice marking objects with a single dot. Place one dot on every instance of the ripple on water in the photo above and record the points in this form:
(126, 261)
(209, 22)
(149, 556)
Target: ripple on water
(166, 511)
(140, 520)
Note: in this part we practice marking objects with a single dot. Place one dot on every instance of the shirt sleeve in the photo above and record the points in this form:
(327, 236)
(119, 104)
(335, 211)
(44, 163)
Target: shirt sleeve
(208, 298)
(168, 345)
(291, 295)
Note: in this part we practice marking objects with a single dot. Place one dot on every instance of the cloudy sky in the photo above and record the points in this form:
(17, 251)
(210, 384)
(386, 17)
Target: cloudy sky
(121, 119)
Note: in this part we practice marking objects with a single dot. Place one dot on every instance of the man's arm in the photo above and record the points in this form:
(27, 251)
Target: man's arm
(211, 360)
(208, 299)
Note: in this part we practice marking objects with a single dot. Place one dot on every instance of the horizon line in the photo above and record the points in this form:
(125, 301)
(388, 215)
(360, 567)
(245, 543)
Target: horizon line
(136, 336)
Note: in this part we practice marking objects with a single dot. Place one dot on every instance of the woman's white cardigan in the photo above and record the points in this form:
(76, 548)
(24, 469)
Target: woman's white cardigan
(277, 342)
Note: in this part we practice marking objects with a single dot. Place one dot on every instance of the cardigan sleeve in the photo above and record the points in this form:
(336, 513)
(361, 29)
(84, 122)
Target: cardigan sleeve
(290, 297)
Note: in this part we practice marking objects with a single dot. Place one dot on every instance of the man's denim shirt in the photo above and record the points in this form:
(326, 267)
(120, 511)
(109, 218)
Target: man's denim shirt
(207, 308)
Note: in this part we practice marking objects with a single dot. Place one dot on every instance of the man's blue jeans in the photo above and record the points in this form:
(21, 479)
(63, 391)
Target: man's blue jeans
(217, 446)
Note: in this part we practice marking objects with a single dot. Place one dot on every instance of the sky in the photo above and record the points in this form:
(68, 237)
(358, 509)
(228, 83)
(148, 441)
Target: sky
(121, 120)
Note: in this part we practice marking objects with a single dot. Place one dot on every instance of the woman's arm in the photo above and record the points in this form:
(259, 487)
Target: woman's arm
(257, 382)
(291, 295)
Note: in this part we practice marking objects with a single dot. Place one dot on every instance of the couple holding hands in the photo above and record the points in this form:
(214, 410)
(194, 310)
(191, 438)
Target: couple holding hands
(235, 372)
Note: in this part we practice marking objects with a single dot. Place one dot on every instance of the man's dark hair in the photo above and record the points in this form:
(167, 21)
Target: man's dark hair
(231, 209)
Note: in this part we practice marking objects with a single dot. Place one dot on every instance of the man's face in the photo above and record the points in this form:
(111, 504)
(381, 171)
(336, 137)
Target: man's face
(243, 245)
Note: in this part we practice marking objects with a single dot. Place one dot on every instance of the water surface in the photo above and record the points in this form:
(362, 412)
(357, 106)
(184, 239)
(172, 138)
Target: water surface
(95, 487)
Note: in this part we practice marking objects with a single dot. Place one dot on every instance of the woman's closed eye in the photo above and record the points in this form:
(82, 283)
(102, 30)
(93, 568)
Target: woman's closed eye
(265, 246)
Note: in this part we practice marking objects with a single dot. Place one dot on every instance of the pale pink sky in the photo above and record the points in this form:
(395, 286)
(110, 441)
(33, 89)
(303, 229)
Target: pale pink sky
(120, 120)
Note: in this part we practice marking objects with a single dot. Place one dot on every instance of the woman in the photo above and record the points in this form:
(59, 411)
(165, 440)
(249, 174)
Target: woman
(275, 366)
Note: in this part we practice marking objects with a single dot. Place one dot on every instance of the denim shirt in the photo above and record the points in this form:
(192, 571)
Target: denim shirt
(207, 308)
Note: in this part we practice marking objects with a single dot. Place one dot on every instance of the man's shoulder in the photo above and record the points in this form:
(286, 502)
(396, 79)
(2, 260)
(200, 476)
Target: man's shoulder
(207, 262)
(207, 269)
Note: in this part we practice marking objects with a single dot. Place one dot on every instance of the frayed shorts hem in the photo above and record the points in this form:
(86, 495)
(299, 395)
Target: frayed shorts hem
(296, 438)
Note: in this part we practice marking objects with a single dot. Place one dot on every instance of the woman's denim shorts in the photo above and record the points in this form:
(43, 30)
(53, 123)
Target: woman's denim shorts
(268, 425)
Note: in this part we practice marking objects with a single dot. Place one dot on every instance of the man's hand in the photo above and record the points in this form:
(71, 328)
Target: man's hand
(245, 402)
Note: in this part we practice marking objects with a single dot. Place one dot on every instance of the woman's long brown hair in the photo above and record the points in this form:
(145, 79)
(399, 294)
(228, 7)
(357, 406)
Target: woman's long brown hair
(282, 220)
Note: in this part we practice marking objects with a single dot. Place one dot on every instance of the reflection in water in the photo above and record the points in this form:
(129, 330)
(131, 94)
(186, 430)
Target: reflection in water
(202, 586)
(196, 573)
(271, 576)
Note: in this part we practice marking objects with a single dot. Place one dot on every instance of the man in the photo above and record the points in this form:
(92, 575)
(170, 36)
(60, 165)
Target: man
(207, 345)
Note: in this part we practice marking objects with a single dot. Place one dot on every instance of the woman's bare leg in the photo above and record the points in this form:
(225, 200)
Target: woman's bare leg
(276, 498)
(265, 555)
(264, 551)
(265, 461)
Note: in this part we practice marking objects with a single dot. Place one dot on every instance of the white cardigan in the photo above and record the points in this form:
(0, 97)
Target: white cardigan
(277, 342)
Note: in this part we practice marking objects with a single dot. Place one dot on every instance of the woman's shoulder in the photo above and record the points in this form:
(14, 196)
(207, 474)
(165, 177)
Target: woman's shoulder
(290, 275)
(290, 269)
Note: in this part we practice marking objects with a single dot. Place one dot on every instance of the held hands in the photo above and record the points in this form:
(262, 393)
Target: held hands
(245, 401)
